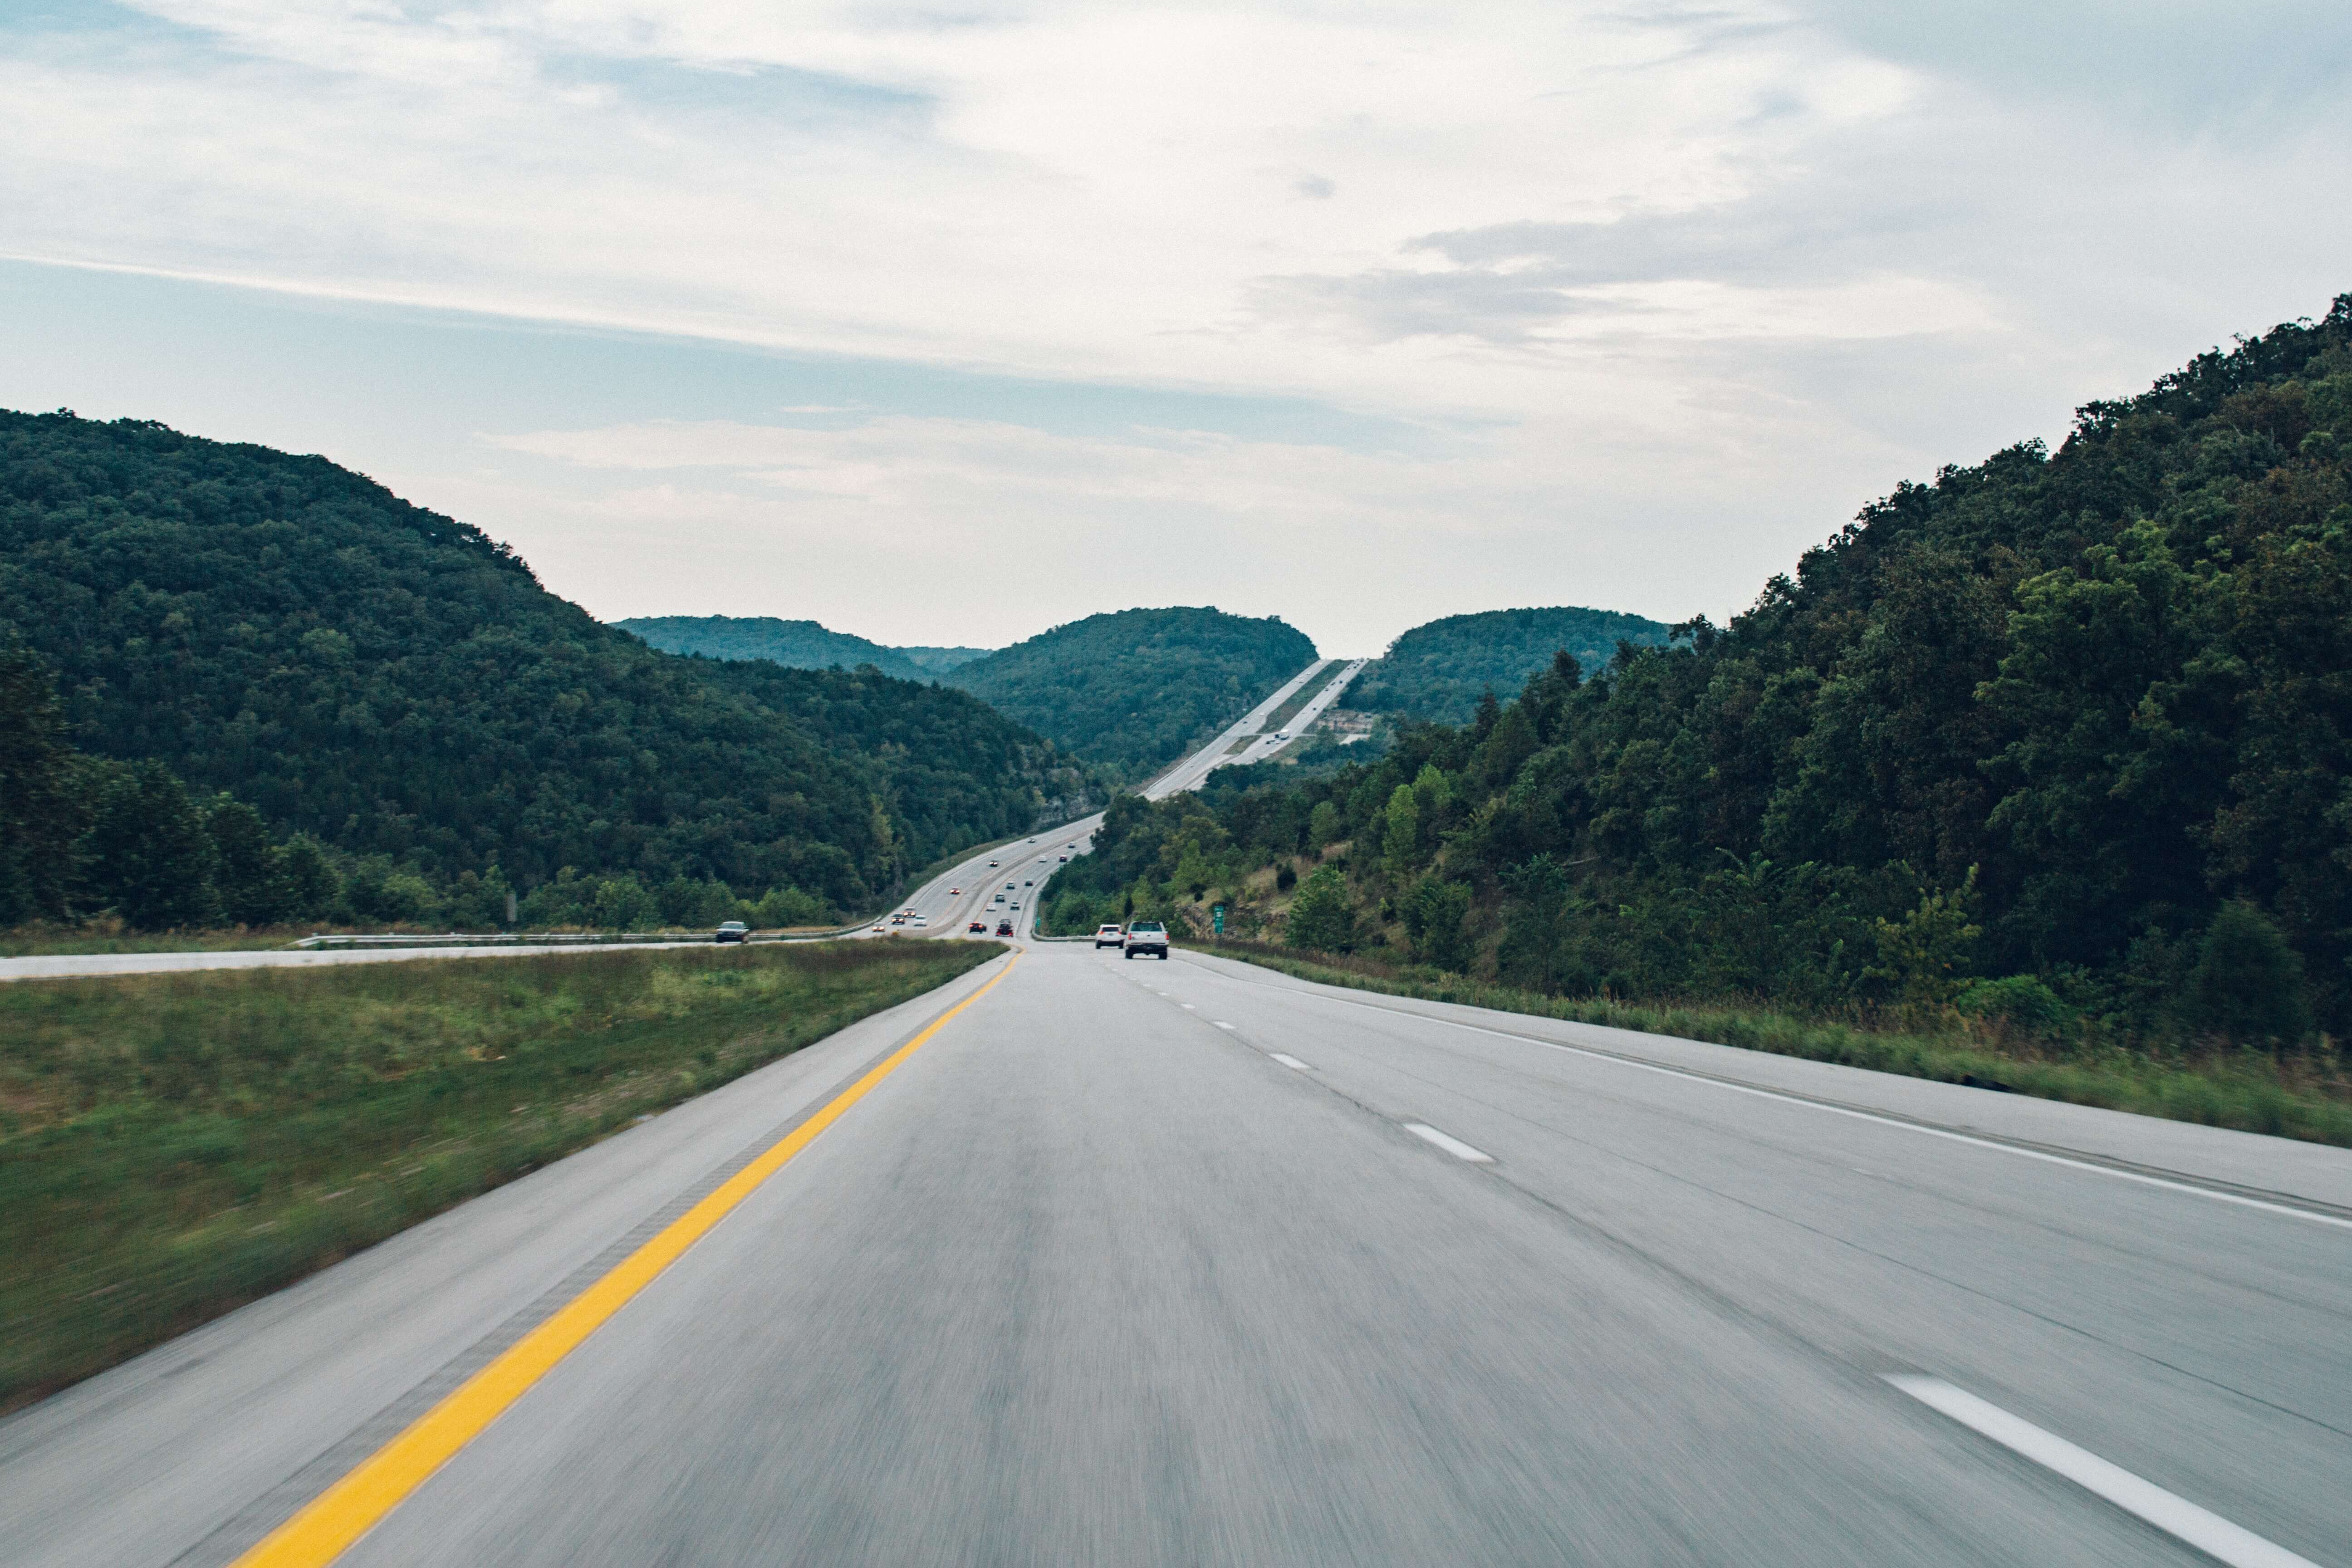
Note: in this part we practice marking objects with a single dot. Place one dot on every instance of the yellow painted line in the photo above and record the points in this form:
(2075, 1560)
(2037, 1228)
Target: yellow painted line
(352, 1506)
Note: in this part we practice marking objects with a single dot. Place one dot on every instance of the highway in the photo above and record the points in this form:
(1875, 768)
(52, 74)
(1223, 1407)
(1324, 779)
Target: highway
(948, 902)
(1190, 1262)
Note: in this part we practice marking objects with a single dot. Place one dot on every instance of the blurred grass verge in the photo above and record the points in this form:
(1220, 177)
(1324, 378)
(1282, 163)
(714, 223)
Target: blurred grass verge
(2250, 1091)
(173, 1146)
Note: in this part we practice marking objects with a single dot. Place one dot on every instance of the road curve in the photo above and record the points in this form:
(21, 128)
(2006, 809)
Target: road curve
(1189, 1262)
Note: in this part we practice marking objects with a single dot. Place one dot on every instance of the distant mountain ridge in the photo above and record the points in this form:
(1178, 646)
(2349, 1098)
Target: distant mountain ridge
(1133, 689)
(795, 644)
(1438, 671)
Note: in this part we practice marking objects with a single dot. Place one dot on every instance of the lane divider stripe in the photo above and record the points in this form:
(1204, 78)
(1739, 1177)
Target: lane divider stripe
(2175, 1516)
(331, 1522)
(1450, 1144)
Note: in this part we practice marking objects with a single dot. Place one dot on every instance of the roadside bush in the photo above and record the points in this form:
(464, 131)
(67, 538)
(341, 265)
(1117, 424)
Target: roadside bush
(2248, 982)
(2020, 1004)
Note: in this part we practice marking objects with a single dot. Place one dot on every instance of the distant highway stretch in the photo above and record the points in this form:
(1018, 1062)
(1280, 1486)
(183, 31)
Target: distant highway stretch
(934, 899)
(1091, 1261)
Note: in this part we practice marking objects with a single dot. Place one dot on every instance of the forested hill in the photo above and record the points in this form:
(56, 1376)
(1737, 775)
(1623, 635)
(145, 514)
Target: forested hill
(2063, 737)
(797, 645)
(1133, 689)
(1439, 671)
(397, 684)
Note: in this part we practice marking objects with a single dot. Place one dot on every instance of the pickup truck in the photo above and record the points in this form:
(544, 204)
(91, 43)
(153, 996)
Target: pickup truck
(1148, 938)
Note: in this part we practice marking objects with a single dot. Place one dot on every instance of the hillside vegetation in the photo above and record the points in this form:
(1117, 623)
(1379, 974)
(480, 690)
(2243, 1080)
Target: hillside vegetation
(396, 692)
(2060, 743)
(1439, 671)
(795, 644)
(1135, 688)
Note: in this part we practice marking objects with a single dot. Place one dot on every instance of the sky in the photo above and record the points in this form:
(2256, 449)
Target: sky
(943, 325)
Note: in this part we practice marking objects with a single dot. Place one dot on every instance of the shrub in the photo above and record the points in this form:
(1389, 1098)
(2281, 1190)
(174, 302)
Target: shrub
(2020, 1003)
(2248, 982)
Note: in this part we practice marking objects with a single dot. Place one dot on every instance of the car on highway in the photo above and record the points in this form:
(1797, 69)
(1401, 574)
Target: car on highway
(954, 891)
(1148, 938)
(1065, 859)
(733, 930)
(1004, 928)
(978, 928)
(1110, 936)
(878, 926)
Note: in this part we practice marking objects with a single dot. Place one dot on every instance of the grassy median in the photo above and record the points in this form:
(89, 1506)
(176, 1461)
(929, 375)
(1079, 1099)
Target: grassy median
(2251, 1092)
(174, 1145)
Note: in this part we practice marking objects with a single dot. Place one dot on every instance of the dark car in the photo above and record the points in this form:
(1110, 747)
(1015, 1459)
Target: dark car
(978, 928)
(1004, 928)
(734, 931)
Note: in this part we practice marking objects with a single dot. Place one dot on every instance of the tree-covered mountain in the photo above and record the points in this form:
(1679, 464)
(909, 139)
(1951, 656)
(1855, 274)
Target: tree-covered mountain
(396, 686)
(1133, 689)
(795, 644)
(2064, 738)
(1439, 671)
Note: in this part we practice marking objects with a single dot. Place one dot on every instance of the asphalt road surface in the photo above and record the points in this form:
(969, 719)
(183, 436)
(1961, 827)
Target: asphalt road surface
(1186, 1262)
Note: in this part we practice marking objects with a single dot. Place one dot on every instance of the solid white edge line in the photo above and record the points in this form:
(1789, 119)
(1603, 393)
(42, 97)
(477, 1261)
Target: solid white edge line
(2175, 1516)
(1292, 1063)
(2191, 1188)
(1223, 1025)
(1454, 1146)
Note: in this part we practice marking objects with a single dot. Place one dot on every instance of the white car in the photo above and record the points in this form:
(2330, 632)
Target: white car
(1109, 936)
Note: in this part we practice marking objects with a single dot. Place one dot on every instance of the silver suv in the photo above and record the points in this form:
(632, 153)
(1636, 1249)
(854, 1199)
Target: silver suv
(1147, 937)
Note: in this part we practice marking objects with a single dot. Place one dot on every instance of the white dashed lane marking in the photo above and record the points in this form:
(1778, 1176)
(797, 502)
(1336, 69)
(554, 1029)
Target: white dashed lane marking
(2175, 1516)
(1454, 1146)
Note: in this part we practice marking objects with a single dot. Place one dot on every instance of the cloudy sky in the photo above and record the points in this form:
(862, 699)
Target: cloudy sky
(946, 325)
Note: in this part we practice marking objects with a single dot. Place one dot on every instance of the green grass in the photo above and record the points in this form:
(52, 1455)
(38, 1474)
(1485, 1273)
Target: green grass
(2242, 1089)
(171, 1146)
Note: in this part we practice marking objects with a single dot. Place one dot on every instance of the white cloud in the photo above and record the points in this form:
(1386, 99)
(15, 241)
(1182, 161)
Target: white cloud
(1700, 280)
(1005, 529)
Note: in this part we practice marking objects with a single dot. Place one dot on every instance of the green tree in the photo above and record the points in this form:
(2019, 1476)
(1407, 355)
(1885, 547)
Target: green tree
(147, 855)
(2248, 982)
(312, 888)
(1924, 959)
(1321, 917)
(40, 812)
(250, 881)
(1434, 913)
(1401, 837)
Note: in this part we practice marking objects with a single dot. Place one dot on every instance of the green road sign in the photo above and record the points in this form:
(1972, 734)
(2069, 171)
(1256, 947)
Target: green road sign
(1217, 918)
